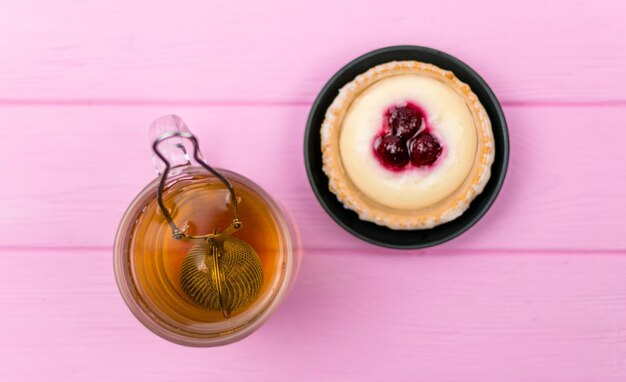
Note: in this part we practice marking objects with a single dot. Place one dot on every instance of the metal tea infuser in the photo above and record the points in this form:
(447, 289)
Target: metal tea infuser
(203, 256)
(220, 272)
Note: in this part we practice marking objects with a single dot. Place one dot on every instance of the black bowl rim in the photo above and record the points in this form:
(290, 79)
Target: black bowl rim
(491, 97)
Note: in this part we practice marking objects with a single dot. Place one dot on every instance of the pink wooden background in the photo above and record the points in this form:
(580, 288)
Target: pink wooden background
(535, 292)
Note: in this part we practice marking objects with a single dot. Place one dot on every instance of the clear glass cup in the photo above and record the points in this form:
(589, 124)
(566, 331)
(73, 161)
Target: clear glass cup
(148, 258)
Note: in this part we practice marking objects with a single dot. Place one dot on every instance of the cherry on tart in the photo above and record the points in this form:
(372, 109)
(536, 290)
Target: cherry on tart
(404, 121)
(407, 145)
(425, 149)
(392, 151)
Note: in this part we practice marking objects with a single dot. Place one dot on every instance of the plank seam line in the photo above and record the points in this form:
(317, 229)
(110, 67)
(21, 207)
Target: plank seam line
(146, 102)
(366, 251)
(268, 103)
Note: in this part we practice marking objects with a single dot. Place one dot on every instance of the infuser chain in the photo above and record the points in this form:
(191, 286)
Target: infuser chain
(176, 232)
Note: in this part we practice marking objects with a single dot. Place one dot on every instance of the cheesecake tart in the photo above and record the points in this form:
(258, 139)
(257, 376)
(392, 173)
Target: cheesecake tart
(407, 145)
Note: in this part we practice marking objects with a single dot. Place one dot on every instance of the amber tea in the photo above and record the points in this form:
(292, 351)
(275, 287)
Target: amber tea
(201, 204)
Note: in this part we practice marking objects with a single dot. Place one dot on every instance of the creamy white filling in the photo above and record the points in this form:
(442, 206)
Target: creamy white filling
(451, 122)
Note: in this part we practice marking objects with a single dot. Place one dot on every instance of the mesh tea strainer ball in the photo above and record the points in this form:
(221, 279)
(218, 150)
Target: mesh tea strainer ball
(222, 277)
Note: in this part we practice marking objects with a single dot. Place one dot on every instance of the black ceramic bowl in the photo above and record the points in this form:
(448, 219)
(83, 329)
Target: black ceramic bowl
(384, 236)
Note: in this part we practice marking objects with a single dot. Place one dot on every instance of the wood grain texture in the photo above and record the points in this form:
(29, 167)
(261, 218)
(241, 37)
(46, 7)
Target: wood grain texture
(73, 171)
(284, 51)
(444, 317)
(535, 292)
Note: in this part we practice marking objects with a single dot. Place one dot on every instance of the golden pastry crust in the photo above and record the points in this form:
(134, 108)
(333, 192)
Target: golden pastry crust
(352, 198)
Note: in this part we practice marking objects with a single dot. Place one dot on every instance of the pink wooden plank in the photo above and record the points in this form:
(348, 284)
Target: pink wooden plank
(284, 50)
(70, 172)
(441, 317)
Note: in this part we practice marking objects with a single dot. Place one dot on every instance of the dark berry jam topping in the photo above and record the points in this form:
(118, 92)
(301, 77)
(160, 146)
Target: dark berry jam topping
(405, 139)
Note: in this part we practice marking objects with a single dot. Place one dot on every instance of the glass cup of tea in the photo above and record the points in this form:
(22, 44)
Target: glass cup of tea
(202, 257)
